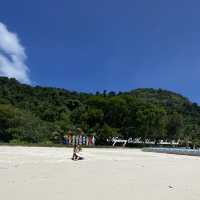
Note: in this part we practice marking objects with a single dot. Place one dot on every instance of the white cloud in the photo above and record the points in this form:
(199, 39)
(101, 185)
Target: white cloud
(12, 56)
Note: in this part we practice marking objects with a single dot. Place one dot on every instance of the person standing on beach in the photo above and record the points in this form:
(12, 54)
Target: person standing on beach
(74, 156)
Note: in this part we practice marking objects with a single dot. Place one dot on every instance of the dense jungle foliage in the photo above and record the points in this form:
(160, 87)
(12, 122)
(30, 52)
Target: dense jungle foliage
(43, 114)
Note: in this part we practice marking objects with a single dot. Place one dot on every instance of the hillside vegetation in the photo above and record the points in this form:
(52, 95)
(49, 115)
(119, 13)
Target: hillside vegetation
(43, 114)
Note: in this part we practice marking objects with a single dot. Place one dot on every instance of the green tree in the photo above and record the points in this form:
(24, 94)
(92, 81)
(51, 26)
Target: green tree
(106, 132)
(151, 122)
(174, 126)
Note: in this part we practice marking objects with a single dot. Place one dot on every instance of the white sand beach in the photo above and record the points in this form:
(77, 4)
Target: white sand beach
(30, 173)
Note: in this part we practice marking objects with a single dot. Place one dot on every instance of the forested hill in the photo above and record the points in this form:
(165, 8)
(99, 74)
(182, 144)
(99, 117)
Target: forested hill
(44, 114)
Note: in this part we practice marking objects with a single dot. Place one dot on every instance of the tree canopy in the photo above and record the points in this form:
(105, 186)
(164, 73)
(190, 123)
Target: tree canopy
(45, 114)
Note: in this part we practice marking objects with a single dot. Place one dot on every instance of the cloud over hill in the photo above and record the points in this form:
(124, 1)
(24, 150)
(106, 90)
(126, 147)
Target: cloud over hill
(12, 56)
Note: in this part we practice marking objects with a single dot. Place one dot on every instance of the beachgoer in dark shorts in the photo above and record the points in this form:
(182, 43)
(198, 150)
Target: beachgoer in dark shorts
(76, 153)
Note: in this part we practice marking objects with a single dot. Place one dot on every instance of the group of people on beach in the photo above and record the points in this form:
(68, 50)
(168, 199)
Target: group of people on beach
(77, 153)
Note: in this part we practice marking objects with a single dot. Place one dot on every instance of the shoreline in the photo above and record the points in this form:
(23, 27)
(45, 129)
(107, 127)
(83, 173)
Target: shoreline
(175, 151)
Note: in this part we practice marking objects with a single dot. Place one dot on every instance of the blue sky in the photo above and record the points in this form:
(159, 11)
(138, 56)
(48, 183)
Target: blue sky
(109, 44)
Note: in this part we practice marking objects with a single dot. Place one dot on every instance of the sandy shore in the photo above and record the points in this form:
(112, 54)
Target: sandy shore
(37, 173)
